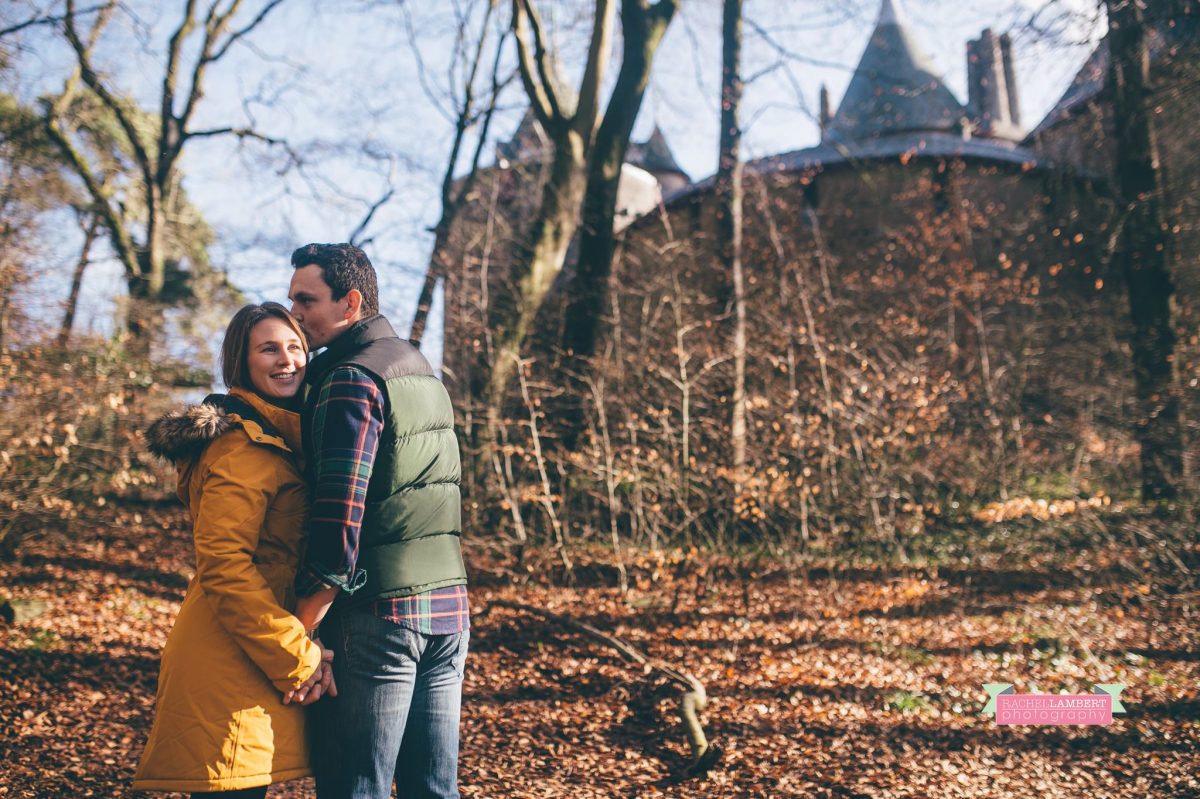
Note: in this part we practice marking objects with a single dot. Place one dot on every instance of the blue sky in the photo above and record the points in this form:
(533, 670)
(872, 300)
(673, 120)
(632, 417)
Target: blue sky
(334, 75)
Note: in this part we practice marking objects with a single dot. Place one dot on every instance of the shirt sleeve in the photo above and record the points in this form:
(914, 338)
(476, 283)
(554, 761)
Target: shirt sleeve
(347, 422)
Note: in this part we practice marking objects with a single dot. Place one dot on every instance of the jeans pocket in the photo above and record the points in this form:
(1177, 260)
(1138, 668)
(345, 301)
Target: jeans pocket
(460, 657)
(352, 638)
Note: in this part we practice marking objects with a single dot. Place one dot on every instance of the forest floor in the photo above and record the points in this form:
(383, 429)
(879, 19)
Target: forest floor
(824, 679)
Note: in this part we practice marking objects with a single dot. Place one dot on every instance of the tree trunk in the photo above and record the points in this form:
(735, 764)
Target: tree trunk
(6, 289)
(729, 219)
(1143, 252)
(143, 312)
(642, 29)
(434, 272)
(540, 261)
(90, 233)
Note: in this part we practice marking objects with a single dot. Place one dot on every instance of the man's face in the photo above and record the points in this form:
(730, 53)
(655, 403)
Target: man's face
(320, 316)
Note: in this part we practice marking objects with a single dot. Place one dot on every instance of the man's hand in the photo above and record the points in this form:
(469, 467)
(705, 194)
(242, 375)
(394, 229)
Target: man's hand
(311, 609)
(321, 682)
(326, 686)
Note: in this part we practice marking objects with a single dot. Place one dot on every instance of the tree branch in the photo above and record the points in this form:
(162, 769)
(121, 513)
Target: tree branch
(214, 24)
(47, 20)
(375, 206)
(452, 201)
(243, 32)
(694, 699)
(593, 74)
(422, 71)
(784, 52)
(247, 133)
(101, 197)
(83, 56)
(542, 95)
(167, 121)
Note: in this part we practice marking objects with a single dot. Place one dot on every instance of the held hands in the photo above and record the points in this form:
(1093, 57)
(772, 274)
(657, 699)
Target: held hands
(319, 684)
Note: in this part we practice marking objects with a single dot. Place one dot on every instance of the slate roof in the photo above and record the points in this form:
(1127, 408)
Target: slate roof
(932, 144)
(654, 155)
(894, 89)
(1089, 81)
(527, 141)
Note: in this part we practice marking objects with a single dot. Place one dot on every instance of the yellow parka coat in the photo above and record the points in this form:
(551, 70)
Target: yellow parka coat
(220, 723)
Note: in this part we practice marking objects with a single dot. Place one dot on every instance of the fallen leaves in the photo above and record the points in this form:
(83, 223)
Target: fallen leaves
(822, 683)
(1041, 509)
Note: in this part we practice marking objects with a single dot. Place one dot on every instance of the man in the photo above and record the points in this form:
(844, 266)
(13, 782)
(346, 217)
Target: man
(383, 558)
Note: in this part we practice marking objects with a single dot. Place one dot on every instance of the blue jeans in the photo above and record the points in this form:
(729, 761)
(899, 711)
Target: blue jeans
(396, 712)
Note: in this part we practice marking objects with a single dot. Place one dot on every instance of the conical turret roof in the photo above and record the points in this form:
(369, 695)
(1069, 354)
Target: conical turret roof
(527, 142)
(894, 89)
(654, 155)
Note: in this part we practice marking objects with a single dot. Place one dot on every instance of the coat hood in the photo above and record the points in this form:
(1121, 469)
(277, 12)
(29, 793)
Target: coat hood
(183, 434)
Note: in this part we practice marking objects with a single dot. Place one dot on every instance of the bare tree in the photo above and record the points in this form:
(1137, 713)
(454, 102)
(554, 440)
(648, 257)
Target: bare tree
(729, 218)
(1143, 252)
(570, 121)
(642, 28)
(471, 111)
(155, 142)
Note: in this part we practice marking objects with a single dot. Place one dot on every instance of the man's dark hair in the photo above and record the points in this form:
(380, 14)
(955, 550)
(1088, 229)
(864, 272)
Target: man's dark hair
(343, 267)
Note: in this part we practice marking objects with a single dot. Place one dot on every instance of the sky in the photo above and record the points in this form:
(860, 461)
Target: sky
(343, 81)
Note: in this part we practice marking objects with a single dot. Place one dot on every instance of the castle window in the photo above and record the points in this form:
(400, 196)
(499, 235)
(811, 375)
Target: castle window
(811, 197)
(941, 188)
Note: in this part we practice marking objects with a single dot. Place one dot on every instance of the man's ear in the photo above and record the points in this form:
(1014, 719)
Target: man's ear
(353, 304)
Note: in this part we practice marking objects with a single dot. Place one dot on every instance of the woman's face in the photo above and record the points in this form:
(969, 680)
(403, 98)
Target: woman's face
(276, 359)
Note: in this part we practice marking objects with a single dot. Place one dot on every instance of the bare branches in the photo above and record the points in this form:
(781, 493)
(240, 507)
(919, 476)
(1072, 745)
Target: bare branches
(452, 201)
(786, 52)
(215, 25)
(535, 72)
(241, 33)
(170, 74)
(593, 74)
(294, 157)
(49, 20)
(355, 237)
(83, 54)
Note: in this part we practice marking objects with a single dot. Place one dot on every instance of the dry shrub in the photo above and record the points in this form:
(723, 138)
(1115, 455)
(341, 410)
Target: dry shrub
(69, 435)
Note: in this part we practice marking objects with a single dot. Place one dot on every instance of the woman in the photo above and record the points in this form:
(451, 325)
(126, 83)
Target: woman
(237, 665)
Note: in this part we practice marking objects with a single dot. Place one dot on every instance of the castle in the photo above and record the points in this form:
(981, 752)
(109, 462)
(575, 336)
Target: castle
(926, 253)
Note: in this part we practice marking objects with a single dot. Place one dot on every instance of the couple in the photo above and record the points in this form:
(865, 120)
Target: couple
(337, 481)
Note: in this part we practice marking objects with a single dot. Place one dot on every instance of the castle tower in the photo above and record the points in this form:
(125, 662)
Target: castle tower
(655, 156)
(894, 89)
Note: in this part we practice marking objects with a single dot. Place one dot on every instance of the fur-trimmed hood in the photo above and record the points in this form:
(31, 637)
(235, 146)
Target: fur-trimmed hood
(183, 434)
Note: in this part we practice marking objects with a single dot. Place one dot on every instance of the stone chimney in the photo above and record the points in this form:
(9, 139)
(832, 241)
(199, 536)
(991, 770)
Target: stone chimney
(1010, 79)
(992, 87)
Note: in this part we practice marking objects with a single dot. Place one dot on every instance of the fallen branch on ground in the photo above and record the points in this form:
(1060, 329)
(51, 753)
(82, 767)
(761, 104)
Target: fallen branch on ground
(694, 699)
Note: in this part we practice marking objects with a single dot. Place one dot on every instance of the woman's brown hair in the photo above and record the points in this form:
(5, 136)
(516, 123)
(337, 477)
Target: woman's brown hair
(235, 347)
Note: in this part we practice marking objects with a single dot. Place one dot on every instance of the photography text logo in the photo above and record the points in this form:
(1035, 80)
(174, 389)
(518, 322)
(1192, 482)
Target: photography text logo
(1013, 708)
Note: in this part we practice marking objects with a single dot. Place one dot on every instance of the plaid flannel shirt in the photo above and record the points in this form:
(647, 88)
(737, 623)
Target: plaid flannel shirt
(348, 419)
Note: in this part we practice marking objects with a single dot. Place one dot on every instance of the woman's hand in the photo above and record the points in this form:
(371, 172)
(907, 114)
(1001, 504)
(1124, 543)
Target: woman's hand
(318, 685)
